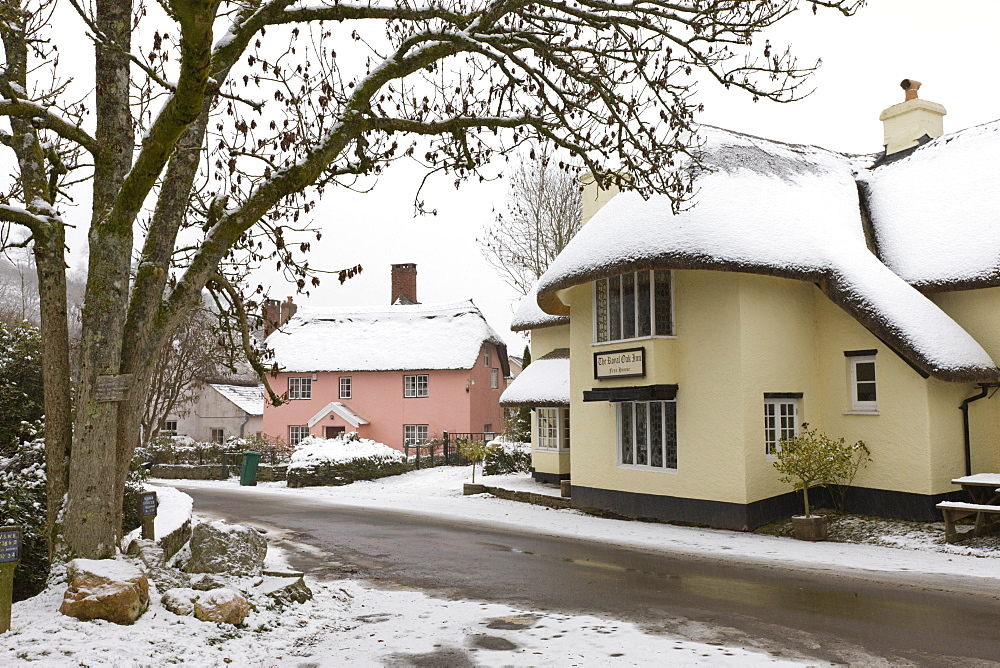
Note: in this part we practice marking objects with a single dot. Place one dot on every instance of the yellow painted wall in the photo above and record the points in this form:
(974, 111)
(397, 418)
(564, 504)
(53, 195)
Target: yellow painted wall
(544, 341)
(739, 336)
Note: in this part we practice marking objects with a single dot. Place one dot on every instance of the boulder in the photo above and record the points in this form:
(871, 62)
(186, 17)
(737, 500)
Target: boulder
(220, 547)
(180, 600)
(105, 589)
(208, 582)
(285, 588)
(225, 606)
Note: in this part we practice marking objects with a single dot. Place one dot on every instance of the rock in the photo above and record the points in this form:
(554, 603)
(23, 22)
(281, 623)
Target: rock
(220, 547)
(180, 600)
(285, 590)
(166, 578)
(208, 582)
(105, 589)
(225, 606)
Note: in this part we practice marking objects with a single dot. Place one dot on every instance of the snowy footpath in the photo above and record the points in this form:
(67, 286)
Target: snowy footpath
(352, 623)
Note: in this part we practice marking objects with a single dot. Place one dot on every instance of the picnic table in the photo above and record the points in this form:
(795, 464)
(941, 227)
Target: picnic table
(984, 496)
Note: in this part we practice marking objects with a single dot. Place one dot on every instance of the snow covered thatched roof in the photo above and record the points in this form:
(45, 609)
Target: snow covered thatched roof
(386, 338)
(544, 382)
(249, 399)
(934, 213)
(783, 210)
(530, 316)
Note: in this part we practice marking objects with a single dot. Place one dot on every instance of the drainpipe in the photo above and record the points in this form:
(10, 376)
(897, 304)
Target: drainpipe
(248, 419)
(983, 390)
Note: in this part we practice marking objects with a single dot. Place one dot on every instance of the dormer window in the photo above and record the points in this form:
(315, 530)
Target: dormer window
(632, 306)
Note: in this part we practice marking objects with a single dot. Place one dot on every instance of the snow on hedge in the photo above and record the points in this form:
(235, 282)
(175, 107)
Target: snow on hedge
(386, 338)
(344, 449)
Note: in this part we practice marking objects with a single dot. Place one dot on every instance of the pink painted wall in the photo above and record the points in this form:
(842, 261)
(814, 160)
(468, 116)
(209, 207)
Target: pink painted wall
(377, 396)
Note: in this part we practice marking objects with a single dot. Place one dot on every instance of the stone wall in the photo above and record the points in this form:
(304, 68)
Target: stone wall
(334, 475)
(265, 472)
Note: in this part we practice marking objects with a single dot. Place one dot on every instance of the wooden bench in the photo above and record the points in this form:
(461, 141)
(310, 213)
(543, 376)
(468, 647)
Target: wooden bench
(957, 510)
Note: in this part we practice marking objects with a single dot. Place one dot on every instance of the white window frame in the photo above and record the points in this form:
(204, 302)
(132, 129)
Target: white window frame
(495, 379)
(664, 431)
(652, 310)
(299, 387)
(416, 386)
(555, 423)
(486, 358)
(412, 434)
(857, 404)
(346, 387)
(779, 424)
(297, 432)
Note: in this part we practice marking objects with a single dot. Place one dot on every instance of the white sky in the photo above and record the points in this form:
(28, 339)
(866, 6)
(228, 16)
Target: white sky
(948, 48)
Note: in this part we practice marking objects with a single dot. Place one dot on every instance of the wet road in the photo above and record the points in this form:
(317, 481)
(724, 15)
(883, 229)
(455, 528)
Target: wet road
(832, 616)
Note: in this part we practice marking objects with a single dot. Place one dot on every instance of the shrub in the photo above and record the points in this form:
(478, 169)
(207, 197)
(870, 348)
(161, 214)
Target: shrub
(20, 382)
(474, 451)
(506, 457)
(812, 459)
(22, 502)
(342, 460)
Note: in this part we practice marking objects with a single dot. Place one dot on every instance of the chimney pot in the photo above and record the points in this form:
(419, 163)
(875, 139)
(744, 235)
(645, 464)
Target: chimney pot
(911, 86)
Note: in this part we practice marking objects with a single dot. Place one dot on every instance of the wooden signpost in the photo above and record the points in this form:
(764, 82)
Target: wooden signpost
(147, 514)
(10, 556)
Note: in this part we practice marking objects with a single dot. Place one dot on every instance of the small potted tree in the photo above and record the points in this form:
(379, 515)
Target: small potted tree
(475, 452)
(811, 460)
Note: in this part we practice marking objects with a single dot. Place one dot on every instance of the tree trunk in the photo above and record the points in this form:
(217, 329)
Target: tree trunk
(91, 528)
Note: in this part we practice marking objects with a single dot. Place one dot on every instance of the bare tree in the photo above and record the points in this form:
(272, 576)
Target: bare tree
(207, 131)
(195, 352)
(543, 214)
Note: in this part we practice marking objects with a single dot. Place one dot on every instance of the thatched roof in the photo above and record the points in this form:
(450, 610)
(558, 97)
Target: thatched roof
(544, 383)
(777, 209)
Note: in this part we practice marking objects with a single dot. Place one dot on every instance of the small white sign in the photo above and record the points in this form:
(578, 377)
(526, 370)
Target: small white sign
(629, 363)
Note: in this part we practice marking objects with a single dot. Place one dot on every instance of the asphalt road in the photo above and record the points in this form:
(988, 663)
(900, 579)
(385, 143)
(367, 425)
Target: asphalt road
(832, 616)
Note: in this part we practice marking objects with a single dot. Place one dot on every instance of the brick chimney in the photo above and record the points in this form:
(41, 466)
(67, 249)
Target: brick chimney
(277, 313)
(404, 284)
(912, 122)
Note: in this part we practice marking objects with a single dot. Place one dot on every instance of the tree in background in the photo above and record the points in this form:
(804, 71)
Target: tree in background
(520, 419)
(543, 214)
(202, 134)
(195, 353)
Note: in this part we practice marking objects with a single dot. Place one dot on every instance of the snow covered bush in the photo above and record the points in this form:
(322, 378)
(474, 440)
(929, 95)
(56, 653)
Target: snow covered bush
(20, 381)
(342, 460)
(22, 503)
(504, 457)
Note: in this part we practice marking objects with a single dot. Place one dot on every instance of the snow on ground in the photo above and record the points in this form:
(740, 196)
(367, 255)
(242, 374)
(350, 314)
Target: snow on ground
(173, 509)
(352, 623)
(438, 492)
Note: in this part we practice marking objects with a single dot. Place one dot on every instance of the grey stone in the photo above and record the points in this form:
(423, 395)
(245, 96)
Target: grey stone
(285, 590)
(208, 582)
(180, 600)
(220, 547)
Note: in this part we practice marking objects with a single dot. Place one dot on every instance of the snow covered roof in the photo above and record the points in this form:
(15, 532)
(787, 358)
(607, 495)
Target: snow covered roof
(778, 209)
(386, 338)
(934, 213)
(530, 316)
(341, 409)
(249, 399)
(544, 382)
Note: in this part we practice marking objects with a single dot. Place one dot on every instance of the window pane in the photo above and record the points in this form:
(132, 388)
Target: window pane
(602, 309)
(670, 417)
(565, 434)
(662, 312)
(866, 391)
(641, 435)
(628, 306)
(770, 432)
(656, 434)
(614, 308)
(787, 420)
(642, 303)
(626, 432)
(865, 371)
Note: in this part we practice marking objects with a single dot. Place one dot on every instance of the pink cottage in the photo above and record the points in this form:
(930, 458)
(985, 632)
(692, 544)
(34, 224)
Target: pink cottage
(397, 374)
